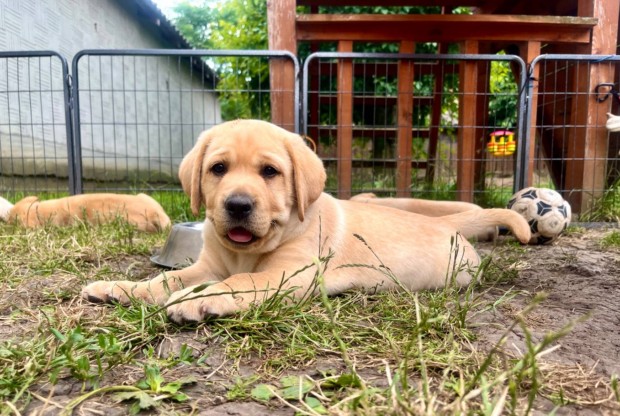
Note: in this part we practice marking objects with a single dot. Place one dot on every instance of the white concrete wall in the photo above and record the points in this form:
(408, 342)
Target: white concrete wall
(138, 114)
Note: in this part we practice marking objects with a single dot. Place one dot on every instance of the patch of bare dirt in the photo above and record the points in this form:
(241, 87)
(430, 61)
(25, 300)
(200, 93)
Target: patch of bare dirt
(581, 280)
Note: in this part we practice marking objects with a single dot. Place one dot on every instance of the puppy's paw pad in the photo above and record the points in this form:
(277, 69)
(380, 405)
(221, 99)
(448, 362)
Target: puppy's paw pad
(108, 292)
(93, 299)
(96, 292)
(184, 315)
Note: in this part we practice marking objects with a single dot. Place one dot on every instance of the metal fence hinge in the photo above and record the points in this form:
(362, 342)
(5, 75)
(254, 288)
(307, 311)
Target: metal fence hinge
(69, 84)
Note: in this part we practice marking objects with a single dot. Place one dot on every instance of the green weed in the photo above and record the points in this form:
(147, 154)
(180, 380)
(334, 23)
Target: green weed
(606, 207)
(611, 239)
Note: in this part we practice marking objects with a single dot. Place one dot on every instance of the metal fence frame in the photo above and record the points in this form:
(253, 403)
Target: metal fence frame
(68, 113)
(71, 90)
(538, 62)
(520, 178)
(180, 53)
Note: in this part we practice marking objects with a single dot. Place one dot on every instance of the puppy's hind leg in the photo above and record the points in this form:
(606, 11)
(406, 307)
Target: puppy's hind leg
(471, 223)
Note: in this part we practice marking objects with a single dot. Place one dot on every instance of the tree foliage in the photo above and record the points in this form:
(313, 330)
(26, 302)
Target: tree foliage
(231, 24)
(243, 83)
(503, 101)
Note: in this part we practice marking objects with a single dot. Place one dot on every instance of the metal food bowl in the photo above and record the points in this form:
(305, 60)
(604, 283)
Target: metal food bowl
(182, 246)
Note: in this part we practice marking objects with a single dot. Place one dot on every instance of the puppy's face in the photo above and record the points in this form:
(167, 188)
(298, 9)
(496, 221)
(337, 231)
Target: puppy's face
(250, 178)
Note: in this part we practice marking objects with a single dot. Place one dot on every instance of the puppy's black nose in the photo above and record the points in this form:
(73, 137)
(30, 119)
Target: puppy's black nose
(239, 206)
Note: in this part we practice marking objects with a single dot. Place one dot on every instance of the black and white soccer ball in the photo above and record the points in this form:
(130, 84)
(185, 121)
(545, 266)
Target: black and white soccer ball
(545, 210)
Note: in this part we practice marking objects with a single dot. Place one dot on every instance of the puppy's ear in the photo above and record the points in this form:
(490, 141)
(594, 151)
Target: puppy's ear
(190, 171)
(308, 173)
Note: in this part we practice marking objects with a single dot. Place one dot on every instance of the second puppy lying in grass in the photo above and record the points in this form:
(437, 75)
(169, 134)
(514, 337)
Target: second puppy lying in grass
(140, 210)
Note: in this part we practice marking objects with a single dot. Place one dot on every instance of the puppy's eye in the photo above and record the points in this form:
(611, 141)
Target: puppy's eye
(218, 169)
(269, 171)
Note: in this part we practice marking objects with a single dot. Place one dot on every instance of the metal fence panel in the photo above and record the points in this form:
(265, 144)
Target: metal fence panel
(394, 124)
(138, 112)
(36, 149)
(569, 147)
(417, 125)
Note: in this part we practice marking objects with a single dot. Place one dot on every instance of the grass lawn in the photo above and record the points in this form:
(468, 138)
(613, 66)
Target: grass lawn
(388, 353)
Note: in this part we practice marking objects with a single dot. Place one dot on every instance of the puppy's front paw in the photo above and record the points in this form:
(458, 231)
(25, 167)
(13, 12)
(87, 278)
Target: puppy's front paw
(194, 305)
(121, 292)
(109, 292)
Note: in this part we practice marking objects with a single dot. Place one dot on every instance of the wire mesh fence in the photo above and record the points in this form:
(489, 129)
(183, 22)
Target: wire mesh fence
(570, 148)
(139, 112)
(430, 126)
(35, 130)
(465, 127)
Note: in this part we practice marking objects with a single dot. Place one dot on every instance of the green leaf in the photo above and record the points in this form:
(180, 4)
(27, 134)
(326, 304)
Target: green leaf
(263, 392)
(153, 378)
(58, 335)
(344, 380)
(175, 386)
(316, 405)
(171, 388)
(144, 400)
(187, 380)
(295, 387)
(179, 397)
(142, 384)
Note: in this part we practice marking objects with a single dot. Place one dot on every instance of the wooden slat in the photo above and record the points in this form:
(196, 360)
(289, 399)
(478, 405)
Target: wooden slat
(444, 28)
(529, 52)
(481, 110)
(374, 100)
(375, 131)
(438, 78)
(345, 122)
(558, 8)
(374, 163)
(280, 18)
(405, 121)
(467, 120)
(394, 3)
(313, 99)
(381, 68)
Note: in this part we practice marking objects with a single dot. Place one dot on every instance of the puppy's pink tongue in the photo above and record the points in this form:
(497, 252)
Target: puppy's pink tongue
(239, 235)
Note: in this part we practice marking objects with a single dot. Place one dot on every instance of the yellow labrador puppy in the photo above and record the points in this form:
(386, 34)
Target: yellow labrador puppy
(140, 210)
(267, 219)
(430, 208)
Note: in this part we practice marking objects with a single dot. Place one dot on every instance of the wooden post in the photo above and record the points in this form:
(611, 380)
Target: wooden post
(314, 95)
(345, 122)
(433, 134)
(586, 153)
(466, 147)
(405, 121)
(281, 28)
(481, 130)
(528, 52)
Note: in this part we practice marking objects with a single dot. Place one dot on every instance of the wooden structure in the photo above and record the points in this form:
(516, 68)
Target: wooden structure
(523, 27)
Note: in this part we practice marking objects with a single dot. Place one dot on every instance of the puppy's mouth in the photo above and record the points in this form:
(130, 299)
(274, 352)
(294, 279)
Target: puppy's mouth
(240, 235)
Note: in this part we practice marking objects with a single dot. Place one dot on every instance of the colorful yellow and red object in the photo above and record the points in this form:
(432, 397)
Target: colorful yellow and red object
(502, 143)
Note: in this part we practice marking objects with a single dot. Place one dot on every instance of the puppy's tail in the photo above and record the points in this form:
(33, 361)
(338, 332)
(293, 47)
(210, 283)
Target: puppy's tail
(5, 209)
(473, 223)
